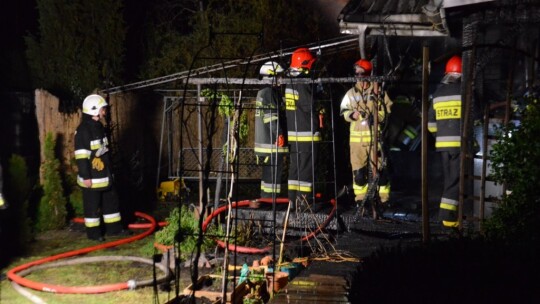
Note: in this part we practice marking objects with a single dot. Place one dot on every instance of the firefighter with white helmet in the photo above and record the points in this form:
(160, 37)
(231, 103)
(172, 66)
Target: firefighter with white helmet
(94, 171)
(445, 122)
(270, 145)
(302, 127)
(358, 108)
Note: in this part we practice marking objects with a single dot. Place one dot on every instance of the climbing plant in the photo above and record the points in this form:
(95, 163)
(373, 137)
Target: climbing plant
(226, 110)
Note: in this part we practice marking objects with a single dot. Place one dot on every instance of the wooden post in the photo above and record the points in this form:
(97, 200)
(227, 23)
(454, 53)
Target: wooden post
(425, 105)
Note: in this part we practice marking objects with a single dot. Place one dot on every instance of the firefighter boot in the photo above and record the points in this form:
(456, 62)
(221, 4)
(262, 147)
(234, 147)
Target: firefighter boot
(94, 233)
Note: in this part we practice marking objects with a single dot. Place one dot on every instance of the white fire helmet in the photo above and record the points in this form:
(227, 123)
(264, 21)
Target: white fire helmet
(92, 104)
(270, 69)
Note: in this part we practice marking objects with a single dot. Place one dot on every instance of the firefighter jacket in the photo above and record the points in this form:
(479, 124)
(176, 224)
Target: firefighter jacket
(91, 146)
(445, 117)
(301, 115)
(269, 122)
(361, 99)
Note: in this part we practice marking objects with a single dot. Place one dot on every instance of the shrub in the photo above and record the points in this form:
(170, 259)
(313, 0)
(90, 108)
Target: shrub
(20, 189)
(76, 207)
(184, 227)
(52, 206)
(514, 161)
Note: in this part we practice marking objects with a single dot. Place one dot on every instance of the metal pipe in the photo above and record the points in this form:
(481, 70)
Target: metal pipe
(362, 39)
(226, 65)
(375, 147)
(161, 142)
(509, 87)
(200, 152)
(425, 104)
(333, 134)
(484, 165)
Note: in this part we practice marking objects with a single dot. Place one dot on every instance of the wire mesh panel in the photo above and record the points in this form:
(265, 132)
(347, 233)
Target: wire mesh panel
(247, 167)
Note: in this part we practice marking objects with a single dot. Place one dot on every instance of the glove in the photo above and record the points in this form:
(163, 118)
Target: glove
(281, 141)
(97, 164)
(101, 151)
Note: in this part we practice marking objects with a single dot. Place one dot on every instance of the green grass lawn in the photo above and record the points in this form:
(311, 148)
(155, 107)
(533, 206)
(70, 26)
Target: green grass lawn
(89, 274)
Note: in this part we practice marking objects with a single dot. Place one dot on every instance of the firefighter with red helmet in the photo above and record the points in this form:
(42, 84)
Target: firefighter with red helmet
(445, 122)
(100, 199)
(358, 107)
(302, 128)
(270, 145)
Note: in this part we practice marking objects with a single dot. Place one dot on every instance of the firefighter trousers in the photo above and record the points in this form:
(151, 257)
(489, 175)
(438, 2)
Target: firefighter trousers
(360, 154)
(272, 168)
(303, 158)
(100, 205)
(448, 208)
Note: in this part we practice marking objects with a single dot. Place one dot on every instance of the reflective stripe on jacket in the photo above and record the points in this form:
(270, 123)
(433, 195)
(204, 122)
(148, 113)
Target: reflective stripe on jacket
(445, 117)
(302, 119)
(268, 122)
(89, 137)
(361, 98)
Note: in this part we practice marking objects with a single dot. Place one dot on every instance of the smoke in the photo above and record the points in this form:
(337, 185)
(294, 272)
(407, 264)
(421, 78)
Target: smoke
(331, 8)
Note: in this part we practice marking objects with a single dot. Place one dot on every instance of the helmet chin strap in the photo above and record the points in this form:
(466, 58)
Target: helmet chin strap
(294, 72)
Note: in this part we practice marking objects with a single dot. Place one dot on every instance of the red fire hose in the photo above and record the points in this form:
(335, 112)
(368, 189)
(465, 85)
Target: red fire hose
(253, 250)
(15, 277)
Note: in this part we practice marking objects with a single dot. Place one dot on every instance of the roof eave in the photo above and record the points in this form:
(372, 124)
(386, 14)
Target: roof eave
(391, 29)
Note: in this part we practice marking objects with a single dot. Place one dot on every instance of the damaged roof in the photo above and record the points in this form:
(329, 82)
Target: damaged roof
(399, 17)
(369, 11)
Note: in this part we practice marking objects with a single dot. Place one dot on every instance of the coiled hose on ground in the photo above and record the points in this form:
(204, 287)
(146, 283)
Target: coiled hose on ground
(16, 275)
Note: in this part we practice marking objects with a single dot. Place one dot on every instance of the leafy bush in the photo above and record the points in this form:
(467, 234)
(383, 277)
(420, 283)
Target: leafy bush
(183, 223)
(514, 160)
(52, 206)
(20, 188)
(75, 195)
(76, 202)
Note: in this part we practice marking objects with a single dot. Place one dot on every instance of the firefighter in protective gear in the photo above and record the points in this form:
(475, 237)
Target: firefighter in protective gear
(302, 128)
(445, 123)
(3, 203)
(270, 146)
(95, 177)
(358, 108)
(403, 124)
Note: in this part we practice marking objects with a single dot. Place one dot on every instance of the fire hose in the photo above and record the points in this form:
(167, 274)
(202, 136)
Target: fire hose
(254, 250)
(16, 275)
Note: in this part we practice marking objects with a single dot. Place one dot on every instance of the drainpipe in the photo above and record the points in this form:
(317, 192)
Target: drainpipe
(435, 12)
(362, 39)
